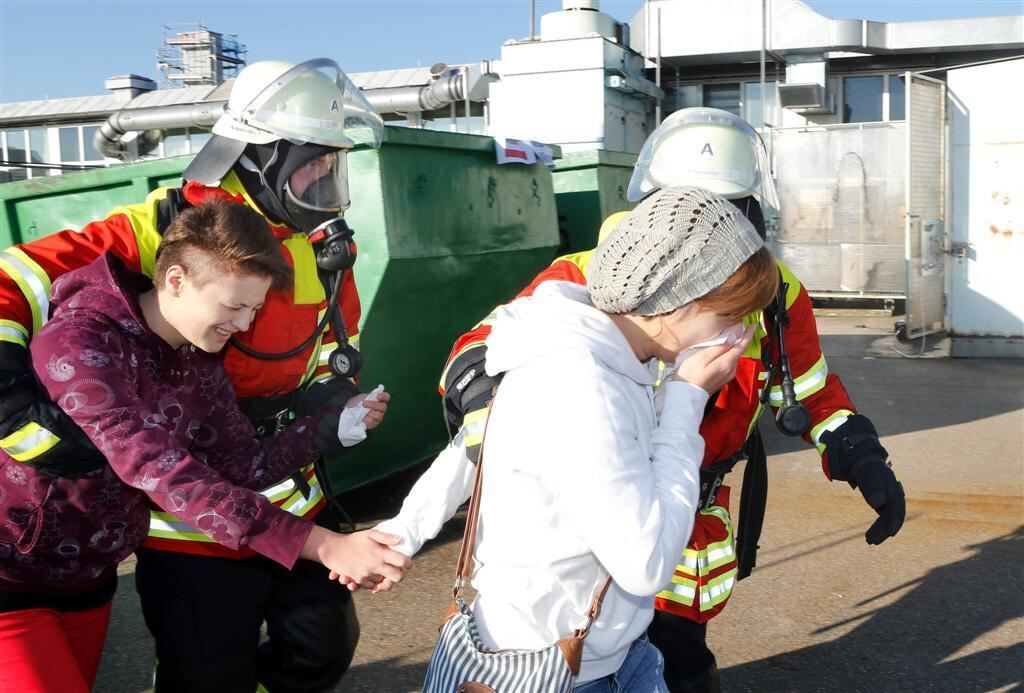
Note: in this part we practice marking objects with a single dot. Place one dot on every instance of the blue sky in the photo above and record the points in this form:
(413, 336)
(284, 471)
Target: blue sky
(51, 48)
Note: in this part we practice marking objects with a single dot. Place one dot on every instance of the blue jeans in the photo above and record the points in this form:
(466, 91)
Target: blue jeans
(643, 671)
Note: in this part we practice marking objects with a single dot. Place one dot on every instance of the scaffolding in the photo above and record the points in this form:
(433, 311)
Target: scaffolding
(192, 55)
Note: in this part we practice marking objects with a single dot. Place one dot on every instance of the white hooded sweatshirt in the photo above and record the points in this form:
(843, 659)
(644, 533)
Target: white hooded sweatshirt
(581, 479)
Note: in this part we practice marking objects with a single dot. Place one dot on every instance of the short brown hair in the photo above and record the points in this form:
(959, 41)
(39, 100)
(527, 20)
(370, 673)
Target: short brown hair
(221, 237)
(750, 288)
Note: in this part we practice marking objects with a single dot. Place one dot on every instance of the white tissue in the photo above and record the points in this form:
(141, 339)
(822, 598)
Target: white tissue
(729, 335)
(351, 429)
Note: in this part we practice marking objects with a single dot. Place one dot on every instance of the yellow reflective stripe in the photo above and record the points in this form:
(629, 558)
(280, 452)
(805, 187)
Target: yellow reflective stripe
(581, 260)
(308, 287)
(29, 441)
(834, 421)
(806, 385)
(794, 284)
(354, 340)
(454, 358)
(473, 426)
(718, 590)
(143, 220)
(325, 352)
(299, 505)
(33, 282)
(15, 332)
(682, 591)
(166, 526)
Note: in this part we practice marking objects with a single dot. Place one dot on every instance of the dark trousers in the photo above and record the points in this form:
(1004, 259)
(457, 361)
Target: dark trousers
(689, 664)
(205, 615)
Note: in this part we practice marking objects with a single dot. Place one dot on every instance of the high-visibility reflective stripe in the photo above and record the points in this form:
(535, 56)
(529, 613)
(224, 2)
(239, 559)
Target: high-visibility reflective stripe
(11, 331)
(308, 287)
(287, 487)
(33, 282)
(834, 421)
(285, 495)
(806, 385)
(453, 359)
(718, 590)
(28, 442)
(325, 352)
(682, 591)
(473, 426)
(300, 505)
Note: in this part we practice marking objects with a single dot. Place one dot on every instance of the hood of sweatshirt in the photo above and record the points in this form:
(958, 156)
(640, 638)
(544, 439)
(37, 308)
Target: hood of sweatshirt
(558, 317)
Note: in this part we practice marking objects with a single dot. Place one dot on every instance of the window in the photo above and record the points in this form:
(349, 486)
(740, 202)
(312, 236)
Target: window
(752, 103)
(20, 146)
(862, 99)
(37, 141)
(198, 138)
(88, 136)
(724, 96)
(16, 146)
(175, 142)
(897, 98)
(69, 149)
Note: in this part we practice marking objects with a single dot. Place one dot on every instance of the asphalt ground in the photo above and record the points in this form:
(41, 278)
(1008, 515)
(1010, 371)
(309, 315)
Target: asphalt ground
(938, 608)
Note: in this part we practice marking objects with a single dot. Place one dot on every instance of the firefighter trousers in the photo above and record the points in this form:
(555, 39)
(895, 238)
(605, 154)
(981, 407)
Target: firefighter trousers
(205, 615)
(690, 665)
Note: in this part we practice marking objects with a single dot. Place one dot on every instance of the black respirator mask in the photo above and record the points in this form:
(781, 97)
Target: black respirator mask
(305, 187)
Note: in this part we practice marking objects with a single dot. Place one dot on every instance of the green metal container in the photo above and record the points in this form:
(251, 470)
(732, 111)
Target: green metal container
(34, 208)
(444, 235)
(589, 186)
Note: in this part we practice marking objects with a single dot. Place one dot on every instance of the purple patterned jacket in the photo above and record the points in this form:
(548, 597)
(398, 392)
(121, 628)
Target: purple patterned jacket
(171, 430)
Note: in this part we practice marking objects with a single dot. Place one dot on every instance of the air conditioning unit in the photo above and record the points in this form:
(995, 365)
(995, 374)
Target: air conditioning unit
(807, 98)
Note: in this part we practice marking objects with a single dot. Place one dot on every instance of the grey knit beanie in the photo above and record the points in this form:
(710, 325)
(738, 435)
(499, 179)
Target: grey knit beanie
(676, 246)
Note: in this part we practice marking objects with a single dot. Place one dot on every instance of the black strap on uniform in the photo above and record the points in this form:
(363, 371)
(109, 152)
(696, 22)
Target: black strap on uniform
(169, 208)
(753, 500)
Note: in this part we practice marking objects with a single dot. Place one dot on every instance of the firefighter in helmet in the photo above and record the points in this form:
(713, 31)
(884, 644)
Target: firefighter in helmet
(784, 369)
(280, 148)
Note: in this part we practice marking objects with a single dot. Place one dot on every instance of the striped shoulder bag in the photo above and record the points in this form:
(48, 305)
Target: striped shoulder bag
(460, 664)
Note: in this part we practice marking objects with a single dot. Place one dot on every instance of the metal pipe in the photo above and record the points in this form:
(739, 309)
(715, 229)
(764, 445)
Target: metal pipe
(764, 48)
(108, 139)
(429, 97)
(465, 96)
(657, 75)
(533, 14)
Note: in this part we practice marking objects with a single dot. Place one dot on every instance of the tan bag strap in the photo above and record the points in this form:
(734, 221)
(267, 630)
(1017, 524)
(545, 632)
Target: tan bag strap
(572, 647)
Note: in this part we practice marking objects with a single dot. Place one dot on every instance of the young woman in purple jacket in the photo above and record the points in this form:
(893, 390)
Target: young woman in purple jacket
(135, 364)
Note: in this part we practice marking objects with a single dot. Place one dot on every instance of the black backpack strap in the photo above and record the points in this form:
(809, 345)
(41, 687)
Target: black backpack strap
(753, 500)
(169, 208)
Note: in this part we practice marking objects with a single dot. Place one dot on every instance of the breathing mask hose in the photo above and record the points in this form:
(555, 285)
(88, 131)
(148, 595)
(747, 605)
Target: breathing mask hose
(332, 308)
(792, 418)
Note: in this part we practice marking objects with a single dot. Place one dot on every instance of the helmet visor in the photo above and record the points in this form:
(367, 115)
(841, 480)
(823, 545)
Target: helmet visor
(707, 148)
(316, 102)
(320, 185)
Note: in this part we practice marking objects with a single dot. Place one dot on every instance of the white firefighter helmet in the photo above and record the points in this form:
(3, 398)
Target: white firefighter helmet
(708, 148)
(313, 102)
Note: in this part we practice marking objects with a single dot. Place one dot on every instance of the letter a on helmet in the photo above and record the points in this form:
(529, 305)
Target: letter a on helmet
(707, 148)
(310, 103)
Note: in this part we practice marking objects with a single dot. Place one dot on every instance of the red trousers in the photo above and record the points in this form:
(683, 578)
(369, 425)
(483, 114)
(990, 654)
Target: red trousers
(46, 650)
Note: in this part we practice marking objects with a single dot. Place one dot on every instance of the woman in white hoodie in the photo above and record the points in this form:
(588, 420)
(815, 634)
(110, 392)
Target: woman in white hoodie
(588, 474)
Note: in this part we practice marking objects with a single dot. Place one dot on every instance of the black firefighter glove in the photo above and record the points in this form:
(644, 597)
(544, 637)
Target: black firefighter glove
(468, 392)
(855, 455)
(23, 403)
(325, 400)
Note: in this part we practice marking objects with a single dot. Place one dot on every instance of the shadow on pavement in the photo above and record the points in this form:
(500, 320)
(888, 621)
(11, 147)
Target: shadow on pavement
(914, 643)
